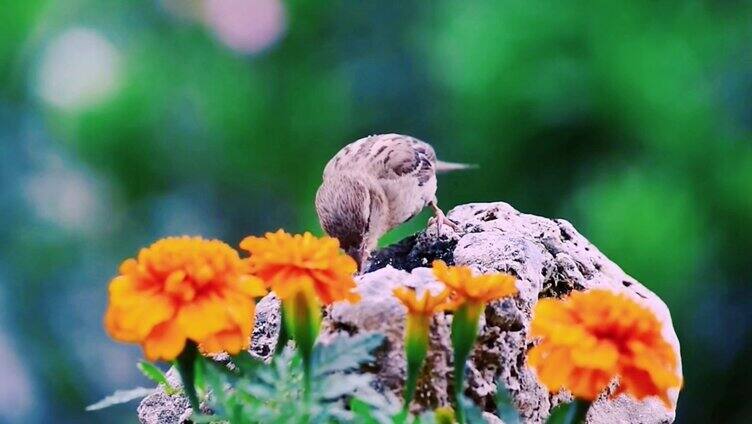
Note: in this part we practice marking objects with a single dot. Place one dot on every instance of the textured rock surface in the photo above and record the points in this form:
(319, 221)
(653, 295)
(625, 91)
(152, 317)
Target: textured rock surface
(549, 258)
(164, 409)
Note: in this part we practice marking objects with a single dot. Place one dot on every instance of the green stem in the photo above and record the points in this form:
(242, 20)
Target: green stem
(307, 379)
(464, 333)
(416, 350)
(301, 314)
(283, 335)
(186, 363)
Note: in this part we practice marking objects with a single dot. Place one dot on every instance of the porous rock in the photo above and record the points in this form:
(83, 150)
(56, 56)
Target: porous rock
(162, 408)
(548, 257)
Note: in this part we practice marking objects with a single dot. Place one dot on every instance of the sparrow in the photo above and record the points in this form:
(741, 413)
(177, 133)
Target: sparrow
(375, 184)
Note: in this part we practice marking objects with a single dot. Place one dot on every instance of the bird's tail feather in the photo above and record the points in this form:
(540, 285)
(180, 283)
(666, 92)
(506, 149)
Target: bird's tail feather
(442, 166)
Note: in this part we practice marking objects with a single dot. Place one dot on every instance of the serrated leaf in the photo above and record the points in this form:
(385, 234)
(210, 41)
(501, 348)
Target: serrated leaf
(345, 353)
(385, 402)
(345, 384)
(274, 392)
(260, 391)
(153, 373)
(119, 397)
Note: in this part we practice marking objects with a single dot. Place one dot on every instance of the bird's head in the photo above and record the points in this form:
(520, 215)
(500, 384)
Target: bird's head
(344, 208)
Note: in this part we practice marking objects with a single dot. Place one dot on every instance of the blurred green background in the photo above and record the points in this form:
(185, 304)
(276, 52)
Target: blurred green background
(125, 121)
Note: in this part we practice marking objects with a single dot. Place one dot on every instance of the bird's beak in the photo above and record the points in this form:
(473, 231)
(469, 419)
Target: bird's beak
(358, 253)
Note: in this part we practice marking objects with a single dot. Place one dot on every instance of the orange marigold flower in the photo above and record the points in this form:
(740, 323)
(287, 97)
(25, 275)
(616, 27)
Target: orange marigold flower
(428, 304)
(288, 262)
(474, 289)
(591, 337)
(179, 289)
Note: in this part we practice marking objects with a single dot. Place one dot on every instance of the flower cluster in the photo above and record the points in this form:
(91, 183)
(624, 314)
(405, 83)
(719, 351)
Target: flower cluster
(589, 338)
(181, 289)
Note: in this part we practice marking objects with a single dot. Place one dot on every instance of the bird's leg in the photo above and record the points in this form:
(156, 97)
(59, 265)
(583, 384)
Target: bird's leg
(440, 218)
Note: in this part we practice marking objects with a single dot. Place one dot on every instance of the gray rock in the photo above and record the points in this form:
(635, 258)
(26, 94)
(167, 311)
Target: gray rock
(548, 257)
(161, 408)
(266, 327)
(623, 410)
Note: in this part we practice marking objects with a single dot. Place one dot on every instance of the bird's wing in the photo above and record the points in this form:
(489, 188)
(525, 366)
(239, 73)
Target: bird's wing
(387, 156)
(349, 157)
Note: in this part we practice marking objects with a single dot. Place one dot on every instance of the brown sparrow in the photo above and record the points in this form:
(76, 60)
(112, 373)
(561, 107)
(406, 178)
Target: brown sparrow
(375, 184)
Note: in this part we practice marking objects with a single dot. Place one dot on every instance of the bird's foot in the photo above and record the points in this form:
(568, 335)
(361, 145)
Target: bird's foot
(440, 219)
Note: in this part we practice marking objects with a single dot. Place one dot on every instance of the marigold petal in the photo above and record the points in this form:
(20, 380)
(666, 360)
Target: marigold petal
(555, 368)
(201, 318)
(286, 288)
(165, 342)
(251, 286)
(128, 266)
(230, 341)
(603, 356)
(478, 289)
(587, 384)
(427, 304)
(113, 328)
(233, 341)
(143, 316)
(241, 311)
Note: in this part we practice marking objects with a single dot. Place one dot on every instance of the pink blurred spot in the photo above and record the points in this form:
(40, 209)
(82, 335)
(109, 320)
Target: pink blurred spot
(247, 26)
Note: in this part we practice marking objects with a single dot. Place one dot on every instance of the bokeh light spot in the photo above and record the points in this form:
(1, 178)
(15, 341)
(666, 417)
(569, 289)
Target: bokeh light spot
(246, 26)
(64, 196)
(79, 68)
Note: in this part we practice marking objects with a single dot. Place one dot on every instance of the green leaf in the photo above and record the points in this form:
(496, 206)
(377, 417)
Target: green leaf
(362, 411)
(246, 363)
(505, 409)
(558, 414)
(121, 396)
(206, 419)
(473, 414)
(153, 373)
(345, 353)
(198, 378)
(569, 413)
(273, 392)
(342, 385)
